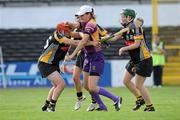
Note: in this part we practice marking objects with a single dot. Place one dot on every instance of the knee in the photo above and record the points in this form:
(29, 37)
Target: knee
(86, 87)
(61, 84)
(139, 87)
(92, 89)
(125, 82)
(76, 79)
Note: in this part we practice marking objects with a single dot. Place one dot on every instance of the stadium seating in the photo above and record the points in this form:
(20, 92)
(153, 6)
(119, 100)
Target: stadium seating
(27, 44)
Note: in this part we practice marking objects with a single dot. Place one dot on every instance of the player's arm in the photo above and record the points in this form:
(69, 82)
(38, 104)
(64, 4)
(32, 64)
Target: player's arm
(138, 37)
(76, 35)
(73, 25)
(81, 44)
(62, 39)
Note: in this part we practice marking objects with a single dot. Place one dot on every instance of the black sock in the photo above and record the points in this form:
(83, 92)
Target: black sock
(47, 102)
(79, 95)
(53, 102)
(93, 100)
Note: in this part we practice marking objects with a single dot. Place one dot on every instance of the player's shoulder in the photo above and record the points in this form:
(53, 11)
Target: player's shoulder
(136, 29)
(91, 23)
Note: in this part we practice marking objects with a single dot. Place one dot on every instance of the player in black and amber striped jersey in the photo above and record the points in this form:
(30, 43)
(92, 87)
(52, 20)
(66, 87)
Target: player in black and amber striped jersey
(56, 47)
(140, 65)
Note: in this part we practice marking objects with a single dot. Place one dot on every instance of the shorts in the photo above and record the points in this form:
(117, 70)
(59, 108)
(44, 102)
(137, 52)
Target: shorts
(80, 60)
(143, 68)
(94, 63)
(46, 69)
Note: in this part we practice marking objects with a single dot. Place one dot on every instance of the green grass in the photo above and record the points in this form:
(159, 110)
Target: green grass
(25, 104)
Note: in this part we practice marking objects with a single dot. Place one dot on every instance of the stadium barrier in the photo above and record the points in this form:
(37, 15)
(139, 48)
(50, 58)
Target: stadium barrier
(26, 74)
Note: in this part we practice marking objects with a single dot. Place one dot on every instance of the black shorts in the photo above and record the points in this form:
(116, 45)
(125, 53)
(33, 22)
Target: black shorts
(143, 68)
(46, 69)
(80, 60)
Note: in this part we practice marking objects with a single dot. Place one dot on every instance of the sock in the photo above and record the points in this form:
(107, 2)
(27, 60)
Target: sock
(151, 105)
(106, 93)
(47, 102)
(92, 98)
(53, 103)
(139, 98)
(98, 100)
(79, 95)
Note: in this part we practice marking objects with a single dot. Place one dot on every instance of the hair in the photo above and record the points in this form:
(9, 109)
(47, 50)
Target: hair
(141, 20)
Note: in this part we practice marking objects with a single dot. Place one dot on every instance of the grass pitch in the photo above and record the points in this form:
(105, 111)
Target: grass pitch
(25, 104)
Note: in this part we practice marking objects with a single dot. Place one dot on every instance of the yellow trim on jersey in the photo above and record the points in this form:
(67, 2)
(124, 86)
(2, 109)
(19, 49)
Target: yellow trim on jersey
(60, 40)
(139, 37)
(46, 57)
(146, 53)
(102, 33)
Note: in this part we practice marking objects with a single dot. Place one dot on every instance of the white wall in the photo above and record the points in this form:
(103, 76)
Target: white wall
(107, 16)
(117, 73)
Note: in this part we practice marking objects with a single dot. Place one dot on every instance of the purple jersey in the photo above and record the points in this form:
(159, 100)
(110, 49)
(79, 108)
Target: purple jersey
(91, 29)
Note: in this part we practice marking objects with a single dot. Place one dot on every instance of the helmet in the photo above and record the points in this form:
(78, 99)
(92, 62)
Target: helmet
(129, 12)
(63, 28)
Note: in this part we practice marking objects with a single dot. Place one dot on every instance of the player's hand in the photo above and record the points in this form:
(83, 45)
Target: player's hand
(62, 68)
(96, 44)
(121, 51)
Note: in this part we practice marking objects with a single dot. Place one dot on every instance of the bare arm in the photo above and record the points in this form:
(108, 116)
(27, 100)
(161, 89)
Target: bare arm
(73, 25)
(81, 44)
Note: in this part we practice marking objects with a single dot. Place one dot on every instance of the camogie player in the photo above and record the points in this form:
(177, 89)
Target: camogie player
(78, 68)
(94, 58)
(56, 47)
(140, 65)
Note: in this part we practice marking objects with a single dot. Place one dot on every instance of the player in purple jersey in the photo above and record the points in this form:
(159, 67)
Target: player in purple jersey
(94, 58)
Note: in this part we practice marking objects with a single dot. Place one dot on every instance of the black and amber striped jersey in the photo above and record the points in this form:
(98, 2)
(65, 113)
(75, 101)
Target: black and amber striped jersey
(54, 49)
(130, 37)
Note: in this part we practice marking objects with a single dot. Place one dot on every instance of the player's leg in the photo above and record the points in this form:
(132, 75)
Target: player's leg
(143, 70)
(77, 82)
(144, 92)
(47, 102)
(127, 80)
(59, 86)
(96, 69)
(94, 89)
(93, 105)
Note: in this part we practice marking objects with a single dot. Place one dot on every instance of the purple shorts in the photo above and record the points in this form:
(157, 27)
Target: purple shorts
(94, 63)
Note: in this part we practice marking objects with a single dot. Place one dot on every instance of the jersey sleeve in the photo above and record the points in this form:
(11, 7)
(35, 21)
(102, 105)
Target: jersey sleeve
(138, 34)
(90, 28)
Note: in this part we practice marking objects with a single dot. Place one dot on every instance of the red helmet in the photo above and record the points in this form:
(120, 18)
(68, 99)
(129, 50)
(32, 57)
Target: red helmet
(63, 28)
